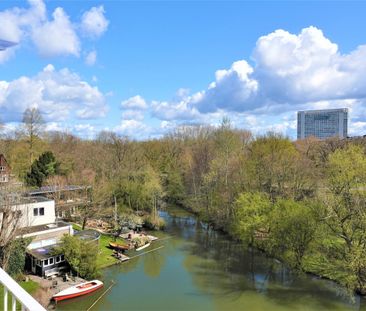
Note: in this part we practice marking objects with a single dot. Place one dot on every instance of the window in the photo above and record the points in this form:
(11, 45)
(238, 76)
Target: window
(58, 259)
(45, 262)
(62, 258)
(2, 168)
(51, 261)
(38, 211)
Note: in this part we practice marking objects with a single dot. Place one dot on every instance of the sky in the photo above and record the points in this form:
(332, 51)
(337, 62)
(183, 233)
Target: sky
(143, 68)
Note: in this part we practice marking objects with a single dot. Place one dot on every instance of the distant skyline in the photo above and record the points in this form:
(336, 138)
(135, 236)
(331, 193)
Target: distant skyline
(141, 68)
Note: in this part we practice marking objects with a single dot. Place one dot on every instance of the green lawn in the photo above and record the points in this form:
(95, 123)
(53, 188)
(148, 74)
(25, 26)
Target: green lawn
(76, 227)
(105, 256)
(29, 286)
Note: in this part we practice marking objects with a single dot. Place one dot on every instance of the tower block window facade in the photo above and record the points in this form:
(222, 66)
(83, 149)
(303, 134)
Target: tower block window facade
(322, 124)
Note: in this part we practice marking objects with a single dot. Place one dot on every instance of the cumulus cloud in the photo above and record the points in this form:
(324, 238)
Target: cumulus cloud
(132, 128)
(232, 89)
(59, 94)
(15, 22)
(289, 72)
(93, 22)
(6, 55)
(174, 110)
(133, 115)
(51, 37)
(56, 37)
(91, 58)
(136, 102)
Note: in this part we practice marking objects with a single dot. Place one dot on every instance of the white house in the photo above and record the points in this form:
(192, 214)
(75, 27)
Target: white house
(37, 221)
(36, 211)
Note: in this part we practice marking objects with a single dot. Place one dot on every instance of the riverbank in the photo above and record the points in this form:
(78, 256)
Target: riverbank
(313, 263)
(49, 287)
(105, 258)
(203, 270)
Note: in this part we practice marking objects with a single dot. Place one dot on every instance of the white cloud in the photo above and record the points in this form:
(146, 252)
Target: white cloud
(58, 94)
(133, 115)
(135, 102)
(290, 72)
(16, 21)
(91, 58)
(174, 110)
(51, 37)
(93, 22)
(133, 128)
(233, 89)
(56, 37)
(6, 55)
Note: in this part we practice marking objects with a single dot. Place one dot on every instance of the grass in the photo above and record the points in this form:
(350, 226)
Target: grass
(29, 286)
(105, 257)
(76, 227)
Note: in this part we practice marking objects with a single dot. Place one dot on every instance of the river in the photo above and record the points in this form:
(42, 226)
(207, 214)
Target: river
(201, 269)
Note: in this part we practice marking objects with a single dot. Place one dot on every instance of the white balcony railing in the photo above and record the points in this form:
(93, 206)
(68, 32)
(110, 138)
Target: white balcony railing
(18, 294)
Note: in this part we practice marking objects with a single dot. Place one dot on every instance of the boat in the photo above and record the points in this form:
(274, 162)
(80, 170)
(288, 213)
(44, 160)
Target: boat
(78, 290)
(119, 247)
(152, 238)
(142, 247)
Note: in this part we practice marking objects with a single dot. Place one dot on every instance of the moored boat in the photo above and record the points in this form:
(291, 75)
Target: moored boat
(78, 290)
(142, 247)
(118, 246)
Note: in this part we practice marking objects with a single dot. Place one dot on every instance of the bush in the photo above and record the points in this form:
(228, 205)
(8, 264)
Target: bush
(140, 241)
(16, 257)
(154, 222)
(81, 255)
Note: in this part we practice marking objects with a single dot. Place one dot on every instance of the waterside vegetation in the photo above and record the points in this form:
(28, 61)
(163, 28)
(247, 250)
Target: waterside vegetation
(302, 202)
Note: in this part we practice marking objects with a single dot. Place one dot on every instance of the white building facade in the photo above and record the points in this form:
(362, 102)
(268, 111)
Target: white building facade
(322, 124)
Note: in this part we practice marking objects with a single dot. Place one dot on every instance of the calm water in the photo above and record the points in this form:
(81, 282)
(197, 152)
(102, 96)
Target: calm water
(200, 269)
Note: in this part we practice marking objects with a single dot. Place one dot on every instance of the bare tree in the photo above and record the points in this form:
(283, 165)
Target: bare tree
(32, 126)
(10, 215)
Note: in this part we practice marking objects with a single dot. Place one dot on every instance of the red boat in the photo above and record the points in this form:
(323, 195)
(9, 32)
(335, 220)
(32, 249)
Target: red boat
(78, 290)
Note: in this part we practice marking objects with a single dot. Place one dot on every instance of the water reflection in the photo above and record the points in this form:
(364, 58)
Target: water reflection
(201, 269)
(223, 268)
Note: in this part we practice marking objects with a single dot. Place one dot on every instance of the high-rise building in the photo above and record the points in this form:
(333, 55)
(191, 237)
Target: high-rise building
(322, 123)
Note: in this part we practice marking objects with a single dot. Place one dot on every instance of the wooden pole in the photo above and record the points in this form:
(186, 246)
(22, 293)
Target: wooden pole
(100, 297)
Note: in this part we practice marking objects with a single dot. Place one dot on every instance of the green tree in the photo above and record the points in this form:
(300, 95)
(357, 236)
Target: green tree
(81, 255)
(276, 167)
(16, 256)
(344, 210)
(252, 213)
(292, 229)
(45, 166)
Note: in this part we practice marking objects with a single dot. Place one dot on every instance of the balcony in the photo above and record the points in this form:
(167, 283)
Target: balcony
(18, 295)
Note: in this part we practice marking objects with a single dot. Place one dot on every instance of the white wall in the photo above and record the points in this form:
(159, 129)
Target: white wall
(27, 216)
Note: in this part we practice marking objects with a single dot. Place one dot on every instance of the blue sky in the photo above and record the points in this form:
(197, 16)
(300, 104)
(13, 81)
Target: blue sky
(142, 68)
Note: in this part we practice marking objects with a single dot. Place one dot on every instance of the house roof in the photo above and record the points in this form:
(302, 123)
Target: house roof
(44, 252)
(52, 189)
(3, 161)
(40, 228)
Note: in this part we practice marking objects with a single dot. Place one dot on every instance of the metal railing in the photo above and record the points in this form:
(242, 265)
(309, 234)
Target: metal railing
(18, 294)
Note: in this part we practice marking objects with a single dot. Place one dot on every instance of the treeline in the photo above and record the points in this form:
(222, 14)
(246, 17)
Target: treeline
(302, 202)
